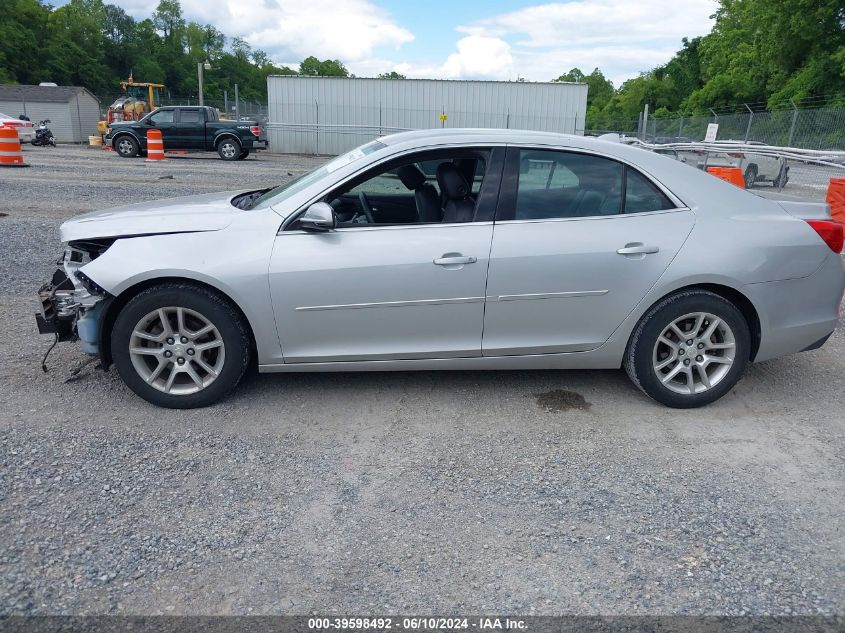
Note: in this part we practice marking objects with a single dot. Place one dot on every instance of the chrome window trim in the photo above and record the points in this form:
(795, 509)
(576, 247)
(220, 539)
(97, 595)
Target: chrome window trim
(388, 227)
(617, 216)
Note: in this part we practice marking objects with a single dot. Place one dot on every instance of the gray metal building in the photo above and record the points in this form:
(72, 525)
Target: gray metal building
(330, 115)
(73, 111)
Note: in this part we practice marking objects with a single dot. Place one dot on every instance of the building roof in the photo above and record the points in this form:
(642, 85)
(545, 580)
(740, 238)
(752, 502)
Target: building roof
(40, 94)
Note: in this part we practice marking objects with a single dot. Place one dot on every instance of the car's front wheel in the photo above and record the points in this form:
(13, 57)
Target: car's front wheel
(180, 346)
(689, 350)
(126, 146)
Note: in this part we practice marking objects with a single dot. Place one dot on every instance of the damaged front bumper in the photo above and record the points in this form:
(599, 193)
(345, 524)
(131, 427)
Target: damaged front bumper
(71, 303)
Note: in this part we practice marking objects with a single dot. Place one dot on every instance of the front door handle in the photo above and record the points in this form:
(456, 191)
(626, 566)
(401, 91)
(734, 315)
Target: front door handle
(637, 248)
(454, 259)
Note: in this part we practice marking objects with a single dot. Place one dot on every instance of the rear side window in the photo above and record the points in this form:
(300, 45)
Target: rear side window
(554, 184)
(189, 116)
(641, 195)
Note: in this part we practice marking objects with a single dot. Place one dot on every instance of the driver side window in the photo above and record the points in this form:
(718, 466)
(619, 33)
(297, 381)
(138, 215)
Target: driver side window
(162, 116)
(421, 189)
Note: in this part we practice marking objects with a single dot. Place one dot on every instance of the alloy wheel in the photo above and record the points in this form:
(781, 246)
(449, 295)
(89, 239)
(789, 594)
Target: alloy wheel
(125, 146)
(694, 353)
(176, 350)
(229, 150)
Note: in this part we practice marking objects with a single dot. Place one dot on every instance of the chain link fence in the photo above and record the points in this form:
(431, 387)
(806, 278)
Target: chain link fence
(229, 108)
(815, 128)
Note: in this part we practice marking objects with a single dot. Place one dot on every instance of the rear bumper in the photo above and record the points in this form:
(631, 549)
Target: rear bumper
(798, 314)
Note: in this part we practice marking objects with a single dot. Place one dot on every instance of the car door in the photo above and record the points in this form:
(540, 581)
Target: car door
(579, 240)
(164, 120)
(190, 129)
(383, 291)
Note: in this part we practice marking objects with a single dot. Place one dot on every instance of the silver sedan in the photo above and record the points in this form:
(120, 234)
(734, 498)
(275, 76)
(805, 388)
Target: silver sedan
(453, 249)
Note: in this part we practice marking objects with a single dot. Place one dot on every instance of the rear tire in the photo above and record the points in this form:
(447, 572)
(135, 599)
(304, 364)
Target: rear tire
(750, 176)
(195, 360)
(229, 149)
(782, 177)
(244, 154)
(662, 364)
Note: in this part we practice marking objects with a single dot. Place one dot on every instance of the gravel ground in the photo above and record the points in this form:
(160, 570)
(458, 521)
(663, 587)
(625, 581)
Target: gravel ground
(549, 492)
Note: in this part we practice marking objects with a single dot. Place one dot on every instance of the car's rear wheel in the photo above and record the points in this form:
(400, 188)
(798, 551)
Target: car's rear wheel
(750, 176)
(229, 149)
(689, 350)
(244, 154)
(180, 346)
(126, 146)
(782, 177)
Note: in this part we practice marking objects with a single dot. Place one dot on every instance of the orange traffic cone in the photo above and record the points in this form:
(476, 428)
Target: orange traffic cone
(732, 175)
(10, 148)
(155, 146)
(836, 199)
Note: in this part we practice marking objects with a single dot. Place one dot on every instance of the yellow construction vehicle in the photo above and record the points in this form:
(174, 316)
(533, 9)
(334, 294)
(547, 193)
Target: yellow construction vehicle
(137, 99)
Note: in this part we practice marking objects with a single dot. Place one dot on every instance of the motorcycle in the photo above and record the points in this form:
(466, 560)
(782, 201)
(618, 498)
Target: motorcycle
(43, 135)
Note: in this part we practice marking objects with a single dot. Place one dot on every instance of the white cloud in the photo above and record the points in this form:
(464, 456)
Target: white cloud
(621, 37)
(540, 42)
(349, 30)
(479, 56)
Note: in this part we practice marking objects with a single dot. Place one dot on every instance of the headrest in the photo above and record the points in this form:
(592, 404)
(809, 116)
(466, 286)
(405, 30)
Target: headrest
(411, 176)
(452, 182)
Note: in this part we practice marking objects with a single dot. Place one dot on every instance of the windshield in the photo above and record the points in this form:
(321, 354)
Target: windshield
(282, 192)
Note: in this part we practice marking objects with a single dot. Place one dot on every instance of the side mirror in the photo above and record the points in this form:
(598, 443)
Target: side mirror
(150, 122)
(318, 217)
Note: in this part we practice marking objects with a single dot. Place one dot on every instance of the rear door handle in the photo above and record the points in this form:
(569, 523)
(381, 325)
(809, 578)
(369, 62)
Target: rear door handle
(454, 259)
(637, 248)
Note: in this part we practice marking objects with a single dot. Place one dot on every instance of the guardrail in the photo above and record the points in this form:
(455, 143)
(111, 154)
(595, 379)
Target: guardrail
(809, 171)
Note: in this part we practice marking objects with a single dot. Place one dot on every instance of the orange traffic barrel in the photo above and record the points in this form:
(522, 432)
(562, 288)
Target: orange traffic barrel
(155, 146)
(836, 199)
(732, 175)
(10, 148)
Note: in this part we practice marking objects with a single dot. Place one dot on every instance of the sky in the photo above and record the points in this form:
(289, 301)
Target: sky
(458, 39)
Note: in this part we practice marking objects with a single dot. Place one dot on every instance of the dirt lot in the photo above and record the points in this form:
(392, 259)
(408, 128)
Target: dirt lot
(520, 492)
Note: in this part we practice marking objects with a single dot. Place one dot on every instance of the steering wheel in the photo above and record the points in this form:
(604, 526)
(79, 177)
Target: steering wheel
(365, 207)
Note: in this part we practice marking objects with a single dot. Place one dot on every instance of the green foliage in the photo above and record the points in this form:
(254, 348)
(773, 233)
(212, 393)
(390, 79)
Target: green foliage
(313, 67)
(760, 52)
(96, 45)
(392, 75)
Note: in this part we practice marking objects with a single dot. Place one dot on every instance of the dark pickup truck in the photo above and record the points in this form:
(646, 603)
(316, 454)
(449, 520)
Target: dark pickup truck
(197, 128)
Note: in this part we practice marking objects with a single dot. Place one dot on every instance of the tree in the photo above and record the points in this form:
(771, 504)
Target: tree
(168, 18)
(313, 67)
(392, 75)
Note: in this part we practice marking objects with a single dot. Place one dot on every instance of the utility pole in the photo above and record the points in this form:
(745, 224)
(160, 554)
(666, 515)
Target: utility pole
(200, 66)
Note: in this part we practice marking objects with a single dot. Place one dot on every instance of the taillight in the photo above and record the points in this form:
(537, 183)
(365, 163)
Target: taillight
(736, 154)
(833, 233)
(255, 129)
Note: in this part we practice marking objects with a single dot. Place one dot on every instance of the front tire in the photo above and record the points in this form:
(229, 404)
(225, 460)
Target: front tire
(126, 146)
(689, 350)
(180, 346)
(229, 149)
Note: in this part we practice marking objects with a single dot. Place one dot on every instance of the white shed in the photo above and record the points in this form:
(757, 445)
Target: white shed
(73, 111)
(330, 115)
